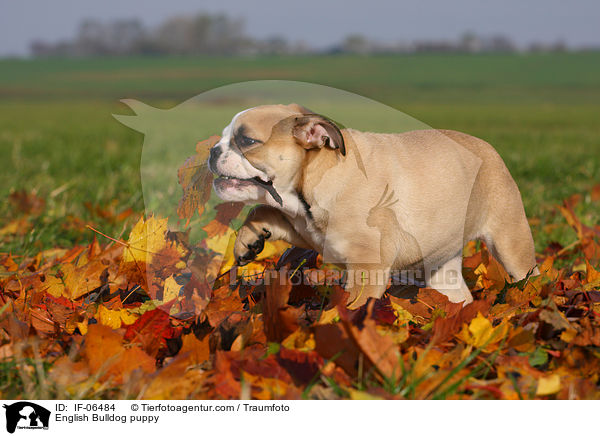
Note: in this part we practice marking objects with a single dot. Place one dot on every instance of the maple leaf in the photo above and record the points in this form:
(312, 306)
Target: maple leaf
(225, 213)
(481, 333)
(196, 180)
(106, 356)
(115, 318)
(280, 319)
(380, 350)
(179, 379)
(147, 238)
(151, 331)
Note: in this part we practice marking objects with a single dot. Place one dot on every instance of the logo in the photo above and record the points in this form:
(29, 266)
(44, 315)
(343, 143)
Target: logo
(26, 415)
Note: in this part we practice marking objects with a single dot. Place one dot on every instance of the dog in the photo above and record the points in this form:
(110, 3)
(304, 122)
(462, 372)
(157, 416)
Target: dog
(373, 203)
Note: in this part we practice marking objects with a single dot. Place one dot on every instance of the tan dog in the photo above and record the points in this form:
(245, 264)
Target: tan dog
(381, 205)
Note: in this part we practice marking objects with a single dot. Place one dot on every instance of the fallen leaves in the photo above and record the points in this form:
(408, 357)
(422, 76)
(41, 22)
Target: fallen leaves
(156, 316)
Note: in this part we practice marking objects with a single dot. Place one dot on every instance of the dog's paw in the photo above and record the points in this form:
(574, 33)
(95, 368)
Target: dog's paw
(249, 244)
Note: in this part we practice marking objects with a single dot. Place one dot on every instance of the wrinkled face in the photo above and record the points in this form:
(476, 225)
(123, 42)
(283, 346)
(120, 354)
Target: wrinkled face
(261, 152)
(246, 169)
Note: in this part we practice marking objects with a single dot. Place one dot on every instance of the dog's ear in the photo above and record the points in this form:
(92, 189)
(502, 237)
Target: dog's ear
(316, 131)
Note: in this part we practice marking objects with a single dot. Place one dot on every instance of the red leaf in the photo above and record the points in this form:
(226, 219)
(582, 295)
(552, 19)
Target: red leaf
(151, 331)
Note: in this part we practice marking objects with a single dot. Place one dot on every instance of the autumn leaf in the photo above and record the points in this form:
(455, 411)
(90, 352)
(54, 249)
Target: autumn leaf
(107, 357)
(151, 331)
(115, 318)
(280, 318)
(145, 240)
(548, 385)
(226, 212)
(195, 179)
(481, 333)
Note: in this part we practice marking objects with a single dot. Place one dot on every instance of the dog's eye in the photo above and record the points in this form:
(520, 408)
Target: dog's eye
(246, 141)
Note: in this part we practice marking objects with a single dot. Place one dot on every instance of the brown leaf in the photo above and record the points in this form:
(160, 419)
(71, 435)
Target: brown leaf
(445, 328)
(224, 385)
(596, 192)
(195, 179)
(302, 366)
(381, 351)
(27, 202)
(180, 379)
(222, 304)
(332, 341)
(280, 319)
(199, 350)
(426, 302)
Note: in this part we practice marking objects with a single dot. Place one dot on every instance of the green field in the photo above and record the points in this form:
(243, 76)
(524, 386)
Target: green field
(58, 138)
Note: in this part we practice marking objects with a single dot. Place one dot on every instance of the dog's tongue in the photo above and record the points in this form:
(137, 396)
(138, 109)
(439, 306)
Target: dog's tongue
(270, 189)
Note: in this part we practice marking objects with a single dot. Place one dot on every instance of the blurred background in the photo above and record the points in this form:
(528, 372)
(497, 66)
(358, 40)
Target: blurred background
(525, 76)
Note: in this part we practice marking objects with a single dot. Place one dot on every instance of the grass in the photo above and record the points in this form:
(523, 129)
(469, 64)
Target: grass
(57, 136)
(59, 140)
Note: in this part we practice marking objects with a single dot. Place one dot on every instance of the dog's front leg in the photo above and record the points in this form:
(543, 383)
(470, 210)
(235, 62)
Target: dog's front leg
(262, 223)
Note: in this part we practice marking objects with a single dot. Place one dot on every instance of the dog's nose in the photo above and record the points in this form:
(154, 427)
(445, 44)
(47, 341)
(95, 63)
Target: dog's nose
(215, 152)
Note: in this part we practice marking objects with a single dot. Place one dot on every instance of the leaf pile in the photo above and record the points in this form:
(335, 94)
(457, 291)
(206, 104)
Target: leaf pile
(158, 317)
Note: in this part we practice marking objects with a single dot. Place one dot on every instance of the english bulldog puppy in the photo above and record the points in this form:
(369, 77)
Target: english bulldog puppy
(375, 204)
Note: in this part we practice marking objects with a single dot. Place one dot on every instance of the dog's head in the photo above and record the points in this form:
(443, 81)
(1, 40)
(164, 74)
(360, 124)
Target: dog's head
(262, 151)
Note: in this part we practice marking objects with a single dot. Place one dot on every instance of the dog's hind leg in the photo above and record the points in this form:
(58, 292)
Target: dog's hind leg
(448, 280)
(508, 237)
(513, 247)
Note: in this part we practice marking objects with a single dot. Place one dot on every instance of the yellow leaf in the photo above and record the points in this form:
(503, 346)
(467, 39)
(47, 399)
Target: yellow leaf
(222, 244)
(591, 274)
(56, 287)
(127, 317)
(402, 315)
(300, 340)
(481, 269)
(361, 395)
(83, 327)
(171, 289)
(110, 318)
(270, 388)
(568, 335)
(145, 240)
(329, 316)
(548, 385)
(547, 269)
(272, 249)
(480, 332)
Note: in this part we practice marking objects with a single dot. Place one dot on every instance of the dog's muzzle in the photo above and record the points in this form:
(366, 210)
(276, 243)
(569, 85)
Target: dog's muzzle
(215, 152)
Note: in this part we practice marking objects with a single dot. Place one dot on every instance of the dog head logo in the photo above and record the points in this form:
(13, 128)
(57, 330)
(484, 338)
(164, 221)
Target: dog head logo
(26, 415)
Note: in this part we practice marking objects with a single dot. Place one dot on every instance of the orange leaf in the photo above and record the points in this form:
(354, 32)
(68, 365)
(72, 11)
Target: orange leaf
(106, 355)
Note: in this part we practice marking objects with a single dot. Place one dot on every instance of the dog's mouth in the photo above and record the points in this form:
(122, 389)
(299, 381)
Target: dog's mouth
(236, 183)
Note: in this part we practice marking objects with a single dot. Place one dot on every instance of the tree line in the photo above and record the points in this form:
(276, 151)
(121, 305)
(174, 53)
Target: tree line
(218, 34)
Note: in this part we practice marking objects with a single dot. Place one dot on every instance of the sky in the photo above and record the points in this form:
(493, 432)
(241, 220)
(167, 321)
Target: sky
(320, 23)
